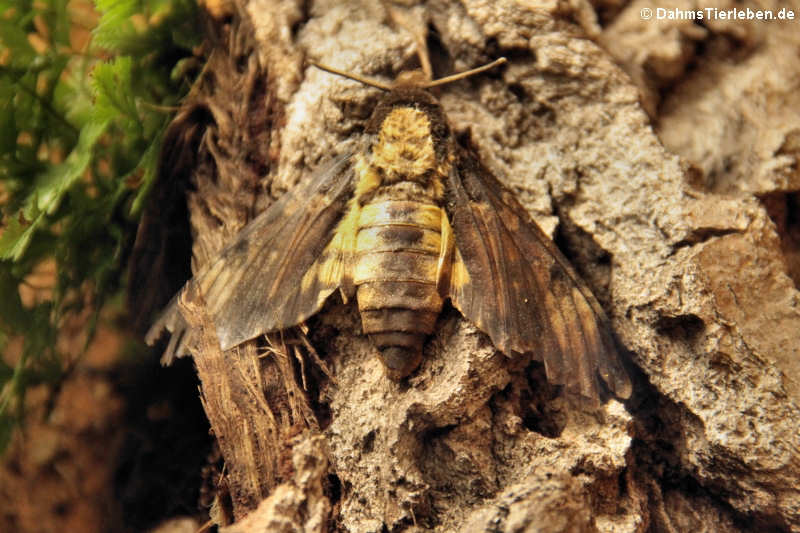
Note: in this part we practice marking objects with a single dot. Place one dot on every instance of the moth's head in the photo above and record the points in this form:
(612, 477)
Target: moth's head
(412, 98)
(412, 79)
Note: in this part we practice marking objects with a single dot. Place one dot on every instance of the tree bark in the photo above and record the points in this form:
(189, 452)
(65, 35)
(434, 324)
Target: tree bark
(683, 254)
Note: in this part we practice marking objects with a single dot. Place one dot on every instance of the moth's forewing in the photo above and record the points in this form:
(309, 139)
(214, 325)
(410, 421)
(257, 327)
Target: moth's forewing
(284, 264)
(513, 283)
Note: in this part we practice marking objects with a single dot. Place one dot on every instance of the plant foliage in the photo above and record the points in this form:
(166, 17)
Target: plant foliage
(84, 98)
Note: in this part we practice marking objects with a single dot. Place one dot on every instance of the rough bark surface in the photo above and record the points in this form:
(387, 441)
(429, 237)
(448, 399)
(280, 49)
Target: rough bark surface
(683, 254)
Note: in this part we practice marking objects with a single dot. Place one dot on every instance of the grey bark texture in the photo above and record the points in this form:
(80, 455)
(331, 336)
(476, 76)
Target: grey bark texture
(684, 222)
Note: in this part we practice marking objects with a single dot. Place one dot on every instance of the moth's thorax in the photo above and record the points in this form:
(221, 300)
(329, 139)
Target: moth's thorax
(404, 152)
(405, 146)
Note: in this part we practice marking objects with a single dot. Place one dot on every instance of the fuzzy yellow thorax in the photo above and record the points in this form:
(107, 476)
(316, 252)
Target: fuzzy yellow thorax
(405, 146)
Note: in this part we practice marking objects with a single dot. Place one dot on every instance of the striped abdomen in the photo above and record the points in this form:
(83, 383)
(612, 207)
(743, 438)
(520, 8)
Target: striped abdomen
(398, 247)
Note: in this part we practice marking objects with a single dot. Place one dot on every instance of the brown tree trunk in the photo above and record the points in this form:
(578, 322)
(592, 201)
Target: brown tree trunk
(686, 259)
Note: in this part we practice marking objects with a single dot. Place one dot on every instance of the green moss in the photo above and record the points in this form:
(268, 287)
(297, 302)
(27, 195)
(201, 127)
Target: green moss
(80, 132)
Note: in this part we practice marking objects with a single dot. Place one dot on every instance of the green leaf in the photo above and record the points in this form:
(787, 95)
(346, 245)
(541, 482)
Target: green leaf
(111, 84)
(17, 236)
(72, 96)
(52, 185)
(148, 165)
(49, 189)
(115, 26)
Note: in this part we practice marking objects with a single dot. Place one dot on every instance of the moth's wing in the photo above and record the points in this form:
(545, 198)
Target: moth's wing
(282, 266)
(181, 335)
(509, 278)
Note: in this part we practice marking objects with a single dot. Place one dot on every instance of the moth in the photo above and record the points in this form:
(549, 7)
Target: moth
(403, 222)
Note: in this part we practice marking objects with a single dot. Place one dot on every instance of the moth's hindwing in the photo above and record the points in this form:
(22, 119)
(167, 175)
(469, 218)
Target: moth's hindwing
(511, 281)
(283, 265)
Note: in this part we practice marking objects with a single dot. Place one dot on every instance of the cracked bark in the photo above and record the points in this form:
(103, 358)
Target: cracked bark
(682, 253)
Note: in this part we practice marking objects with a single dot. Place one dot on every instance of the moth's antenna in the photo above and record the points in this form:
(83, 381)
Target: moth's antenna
(355, 77)
(462, 75)
(386, 87)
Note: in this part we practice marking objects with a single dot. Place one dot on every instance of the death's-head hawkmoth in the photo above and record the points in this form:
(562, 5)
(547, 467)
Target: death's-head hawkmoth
(403, 222)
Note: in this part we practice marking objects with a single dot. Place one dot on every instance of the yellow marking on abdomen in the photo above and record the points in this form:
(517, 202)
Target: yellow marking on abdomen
(401, 212)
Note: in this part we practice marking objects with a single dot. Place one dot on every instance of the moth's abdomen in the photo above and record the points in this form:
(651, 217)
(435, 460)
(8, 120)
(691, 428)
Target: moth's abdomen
(398, 248)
